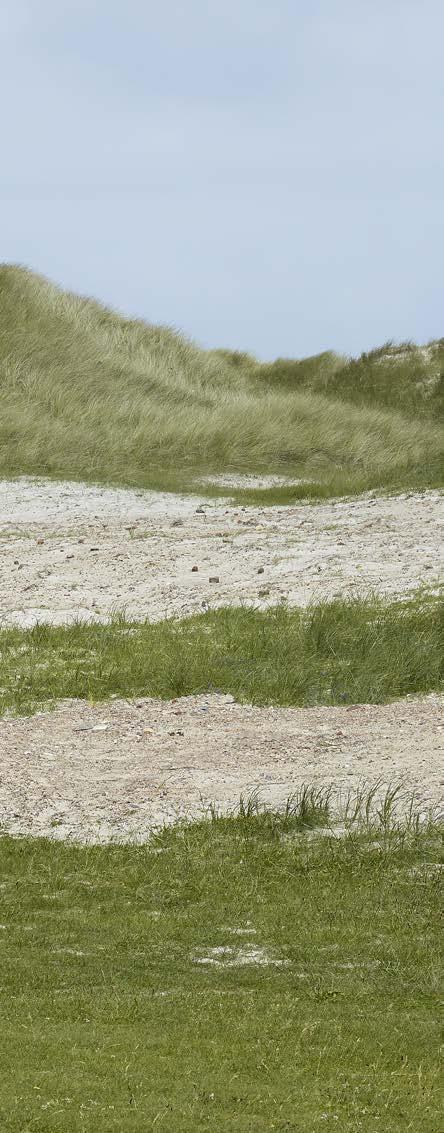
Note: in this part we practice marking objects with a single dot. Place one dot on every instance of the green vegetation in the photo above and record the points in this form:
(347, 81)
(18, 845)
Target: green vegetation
(248, 973)
(407, 378)
(87, 394)
(333, 653)
(235, 975)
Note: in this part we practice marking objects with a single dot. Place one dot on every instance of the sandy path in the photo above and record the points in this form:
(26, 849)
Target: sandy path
(75, 551)
(116, 770)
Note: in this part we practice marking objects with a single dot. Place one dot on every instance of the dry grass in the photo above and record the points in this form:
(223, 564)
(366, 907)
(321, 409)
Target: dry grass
(87, 394)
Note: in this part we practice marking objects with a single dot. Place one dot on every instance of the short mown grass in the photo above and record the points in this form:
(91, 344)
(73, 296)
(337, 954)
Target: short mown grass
(337, 652)
(237, 975)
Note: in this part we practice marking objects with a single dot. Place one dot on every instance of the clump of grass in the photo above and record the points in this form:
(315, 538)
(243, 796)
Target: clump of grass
(224, 976)
(337, 652)
(87, 394)
(307, 809)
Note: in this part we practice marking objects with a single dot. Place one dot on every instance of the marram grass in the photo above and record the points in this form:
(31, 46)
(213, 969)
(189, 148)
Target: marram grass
(87, 394)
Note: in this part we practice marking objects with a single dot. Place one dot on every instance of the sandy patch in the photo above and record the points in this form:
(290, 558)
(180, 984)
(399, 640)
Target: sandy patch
(74, 551)
(117, 770)
(247, 480)
(223, 956)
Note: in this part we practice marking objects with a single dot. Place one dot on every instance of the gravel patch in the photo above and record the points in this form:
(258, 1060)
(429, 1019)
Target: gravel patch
(116, 771)
(74, 551)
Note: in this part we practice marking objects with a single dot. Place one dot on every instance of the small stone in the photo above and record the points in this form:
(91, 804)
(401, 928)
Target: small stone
(214, 578)
(100, 728)
(194, 569)
(263, 593)
(40, 542)
(177, 523)
(70, 556)
(94, 548)
(260, 570)
(81, 540)
(200, 510)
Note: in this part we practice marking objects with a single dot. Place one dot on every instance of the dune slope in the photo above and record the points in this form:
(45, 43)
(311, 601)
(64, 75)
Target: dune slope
(86, 393)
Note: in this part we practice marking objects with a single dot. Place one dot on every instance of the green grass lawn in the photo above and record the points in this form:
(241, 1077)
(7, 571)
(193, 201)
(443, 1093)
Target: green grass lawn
(336, 652)
(233, 975)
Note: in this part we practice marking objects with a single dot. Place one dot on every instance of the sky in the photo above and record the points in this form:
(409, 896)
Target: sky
(265, 176)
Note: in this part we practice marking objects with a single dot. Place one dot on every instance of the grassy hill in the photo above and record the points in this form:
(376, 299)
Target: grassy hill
(85, 393)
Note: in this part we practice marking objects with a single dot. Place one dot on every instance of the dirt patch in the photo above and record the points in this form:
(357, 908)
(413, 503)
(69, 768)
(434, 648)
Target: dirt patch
(74, 551)
(117, 770)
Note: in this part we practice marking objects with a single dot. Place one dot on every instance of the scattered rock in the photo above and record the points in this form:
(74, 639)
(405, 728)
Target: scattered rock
(263, 593)
(194, 569)
(177, 523)
(40, 542)
(260, 570)
(200, 510)
(214, 578)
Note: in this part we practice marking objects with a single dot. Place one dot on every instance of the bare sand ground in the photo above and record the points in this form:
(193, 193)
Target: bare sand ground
(75, 551)
(118, 770)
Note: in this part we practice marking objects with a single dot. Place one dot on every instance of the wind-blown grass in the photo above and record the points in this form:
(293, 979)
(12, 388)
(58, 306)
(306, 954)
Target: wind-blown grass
(235, 975)
(89, 395)
(337, 652)
(407, 377)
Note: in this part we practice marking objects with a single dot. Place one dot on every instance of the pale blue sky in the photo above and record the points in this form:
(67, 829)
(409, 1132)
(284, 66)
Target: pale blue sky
(266, 176)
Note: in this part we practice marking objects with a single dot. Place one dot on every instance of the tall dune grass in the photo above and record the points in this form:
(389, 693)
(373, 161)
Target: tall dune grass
(85, 393)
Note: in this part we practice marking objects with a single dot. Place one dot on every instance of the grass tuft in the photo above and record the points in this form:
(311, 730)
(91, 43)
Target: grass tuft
(307, 809)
